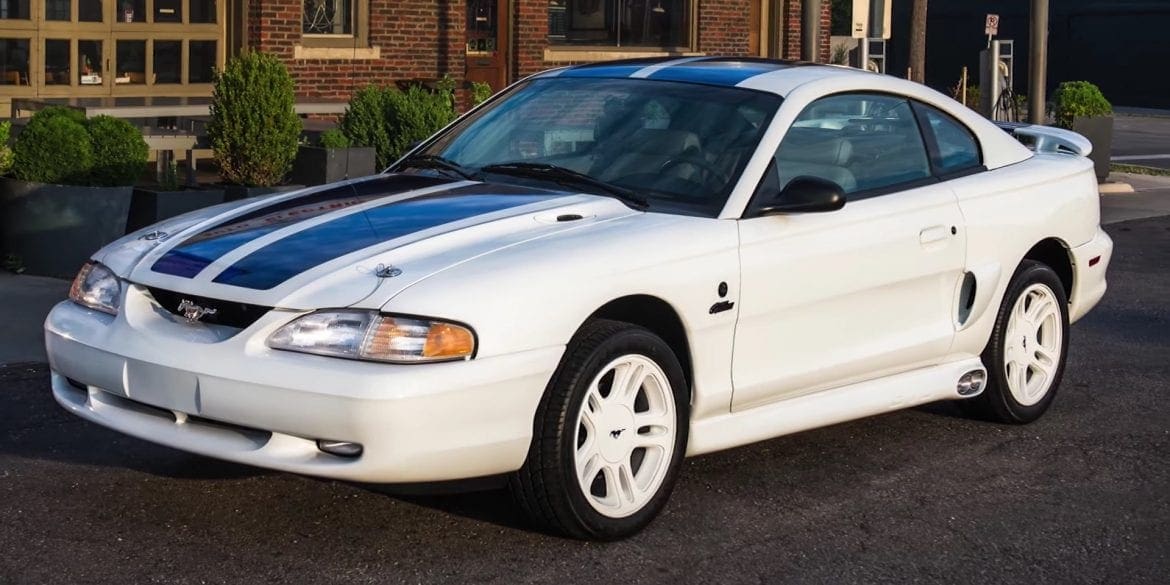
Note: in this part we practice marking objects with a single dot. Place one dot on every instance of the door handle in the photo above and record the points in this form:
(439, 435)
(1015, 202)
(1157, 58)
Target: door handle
(934, 233)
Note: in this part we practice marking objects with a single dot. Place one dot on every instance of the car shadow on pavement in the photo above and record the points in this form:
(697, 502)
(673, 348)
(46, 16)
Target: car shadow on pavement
(34, 426)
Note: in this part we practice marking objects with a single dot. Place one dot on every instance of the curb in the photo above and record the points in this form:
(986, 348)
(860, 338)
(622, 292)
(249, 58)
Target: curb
(1114, 188)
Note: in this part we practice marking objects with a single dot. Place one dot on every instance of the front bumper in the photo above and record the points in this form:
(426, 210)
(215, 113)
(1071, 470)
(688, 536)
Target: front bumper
(1089, 281)
(192, 387)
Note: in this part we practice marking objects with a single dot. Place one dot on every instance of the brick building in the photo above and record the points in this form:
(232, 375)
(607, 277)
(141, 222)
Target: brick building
(78, 48)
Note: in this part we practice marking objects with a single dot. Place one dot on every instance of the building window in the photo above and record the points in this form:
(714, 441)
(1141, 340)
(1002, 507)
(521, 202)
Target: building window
(664, 24)
(57, 70)
(14, 9)
(328, 17)
(13, 61)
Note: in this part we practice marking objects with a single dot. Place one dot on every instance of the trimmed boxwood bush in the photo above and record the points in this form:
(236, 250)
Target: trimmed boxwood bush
(119, 152)
(333, 138)
(391, 120)
(5, 150)
(53, 148)
(1079, 99)
(254, 129)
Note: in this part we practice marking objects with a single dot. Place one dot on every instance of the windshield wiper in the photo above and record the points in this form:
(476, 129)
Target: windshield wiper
(434, 161)
(564, 176)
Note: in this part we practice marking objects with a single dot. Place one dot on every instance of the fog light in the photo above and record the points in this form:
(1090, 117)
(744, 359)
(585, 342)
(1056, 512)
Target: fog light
(971, 383)
(340, 448)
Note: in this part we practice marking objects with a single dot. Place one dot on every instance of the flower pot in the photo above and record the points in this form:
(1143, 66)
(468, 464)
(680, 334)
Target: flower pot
(317, 166)
(1099, 131)
(237, 192)
(53, 229)
(149, 206)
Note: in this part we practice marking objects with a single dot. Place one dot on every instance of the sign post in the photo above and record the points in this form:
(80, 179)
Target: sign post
(991, 27)
(860, 31)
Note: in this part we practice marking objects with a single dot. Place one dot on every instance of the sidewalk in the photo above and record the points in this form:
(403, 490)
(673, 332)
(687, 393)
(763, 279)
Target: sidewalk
(24, 302)
(1150, 198)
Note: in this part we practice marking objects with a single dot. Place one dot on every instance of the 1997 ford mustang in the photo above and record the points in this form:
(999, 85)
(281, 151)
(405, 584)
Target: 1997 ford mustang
(602, 270)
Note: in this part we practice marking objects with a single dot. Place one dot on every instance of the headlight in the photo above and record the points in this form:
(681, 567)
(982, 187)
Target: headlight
(368, 335)
(96, 287)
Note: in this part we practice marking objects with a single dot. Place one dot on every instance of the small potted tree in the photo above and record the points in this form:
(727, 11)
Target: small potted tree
(70, 189)
(390, 120)
(331, 159)
(254, 129)
(1079, 106)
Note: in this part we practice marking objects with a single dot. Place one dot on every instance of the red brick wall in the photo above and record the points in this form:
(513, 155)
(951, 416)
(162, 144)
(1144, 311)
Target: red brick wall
(417, 39)
(425, 39)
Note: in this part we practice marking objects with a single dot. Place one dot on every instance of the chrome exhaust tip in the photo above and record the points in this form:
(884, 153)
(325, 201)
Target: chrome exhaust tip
(971, 383)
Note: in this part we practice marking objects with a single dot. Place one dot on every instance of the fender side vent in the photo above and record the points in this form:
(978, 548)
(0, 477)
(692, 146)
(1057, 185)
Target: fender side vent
(966, 297)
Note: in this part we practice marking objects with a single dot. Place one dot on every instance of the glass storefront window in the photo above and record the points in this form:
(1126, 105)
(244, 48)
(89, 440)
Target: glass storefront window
(168, 61)
(57, 62)
(131, 11)
(89, 60)
(201, 11)
(621, 23)
(327, 17)
(131, 62)
(168, 10)
(13, 61)
(57, 9)
(14, 9)
(89, 10)
(200, 61)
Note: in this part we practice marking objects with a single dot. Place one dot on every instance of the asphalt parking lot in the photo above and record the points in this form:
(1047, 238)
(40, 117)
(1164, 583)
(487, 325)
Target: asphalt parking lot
(1083, 496)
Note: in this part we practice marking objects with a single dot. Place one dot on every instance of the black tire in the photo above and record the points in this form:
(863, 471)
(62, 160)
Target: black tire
(997, 402)
(546, 488)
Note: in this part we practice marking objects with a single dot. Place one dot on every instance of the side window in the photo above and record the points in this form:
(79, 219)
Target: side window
(861, 142)
(957, 149)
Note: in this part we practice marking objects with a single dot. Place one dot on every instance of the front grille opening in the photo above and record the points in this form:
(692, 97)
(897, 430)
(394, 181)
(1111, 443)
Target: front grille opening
(227, 313)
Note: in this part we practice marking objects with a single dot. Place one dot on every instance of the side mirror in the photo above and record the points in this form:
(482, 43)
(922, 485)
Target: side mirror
(806, 195)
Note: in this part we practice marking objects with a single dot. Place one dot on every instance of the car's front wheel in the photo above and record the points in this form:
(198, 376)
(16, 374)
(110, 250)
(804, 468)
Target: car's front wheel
(1025, 357)
(609, 436)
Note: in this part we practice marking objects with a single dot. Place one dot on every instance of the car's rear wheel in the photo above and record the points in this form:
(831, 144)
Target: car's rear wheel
(1026, 354)
(609, 436)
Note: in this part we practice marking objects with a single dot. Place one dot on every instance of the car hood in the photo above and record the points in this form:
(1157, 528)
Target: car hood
(336, 245)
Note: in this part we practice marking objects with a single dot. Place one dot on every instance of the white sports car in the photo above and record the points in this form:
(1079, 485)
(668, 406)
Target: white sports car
(598, 272)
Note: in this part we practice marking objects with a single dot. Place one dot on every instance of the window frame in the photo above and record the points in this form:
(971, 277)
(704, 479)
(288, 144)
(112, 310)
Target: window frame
(611, 51)
(358, 39)
(927, 131)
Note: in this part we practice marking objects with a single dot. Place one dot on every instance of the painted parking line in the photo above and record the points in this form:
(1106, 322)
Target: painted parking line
(1140, 157)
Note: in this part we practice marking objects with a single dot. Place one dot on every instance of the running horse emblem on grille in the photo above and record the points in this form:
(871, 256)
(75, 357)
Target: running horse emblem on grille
(193, 313)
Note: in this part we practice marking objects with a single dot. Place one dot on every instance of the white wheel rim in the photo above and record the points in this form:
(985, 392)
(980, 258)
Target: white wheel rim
(1032, 345)
(624, 436)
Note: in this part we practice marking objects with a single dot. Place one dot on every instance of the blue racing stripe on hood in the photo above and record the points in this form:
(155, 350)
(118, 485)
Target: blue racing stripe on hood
(277, 262)
(194, 254)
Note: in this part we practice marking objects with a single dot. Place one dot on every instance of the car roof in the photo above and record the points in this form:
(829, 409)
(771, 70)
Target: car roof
(718, 71)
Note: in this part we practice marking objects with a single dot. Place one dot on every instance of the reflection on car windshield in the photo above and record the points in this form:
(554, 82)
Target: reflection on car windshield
(681, 146)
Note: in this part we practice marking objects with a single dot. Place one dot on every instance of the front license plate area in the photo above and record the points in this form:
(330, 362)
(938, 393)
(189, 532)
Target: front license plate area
(162, 387)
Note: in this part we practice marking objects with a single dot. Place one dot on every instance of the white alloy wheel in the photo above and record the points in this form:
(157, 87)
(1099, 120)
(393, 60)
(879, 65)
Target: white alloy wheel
(1033, 344)
(625, 435)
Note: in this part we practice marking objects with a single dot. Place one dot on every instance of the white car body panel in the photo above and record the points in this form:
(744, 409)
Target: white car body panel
(834, 316)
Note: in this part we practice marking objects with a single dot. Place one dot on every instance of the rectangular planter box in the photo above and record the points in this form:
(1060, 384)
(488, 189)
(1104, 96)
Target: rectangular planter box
(55, 228)
(237, 192)
(317, 166)
(148, 206)
(1099, 131)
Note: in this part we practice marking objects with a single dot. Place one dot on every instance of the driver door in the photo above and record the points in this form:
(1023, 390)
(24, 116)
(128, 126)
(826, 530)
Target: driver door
(832, 298)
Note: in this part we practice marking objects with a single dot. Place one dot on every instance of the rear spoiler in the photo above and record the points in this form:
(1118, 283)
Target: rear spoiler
(1046, 139)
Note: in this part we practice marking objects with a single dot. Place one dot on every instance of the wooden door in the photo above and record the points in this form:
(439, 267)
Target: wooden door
(487, 42)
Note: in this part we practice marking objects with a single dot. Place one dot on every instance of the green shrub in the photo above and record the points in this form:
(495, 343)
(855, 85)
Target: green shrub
(119, 152)
(254, 129)
(1078, 99)
(53, 149)
(480, 92)
(333, 138)
(5, 150)
(391, 120)
(68, 113)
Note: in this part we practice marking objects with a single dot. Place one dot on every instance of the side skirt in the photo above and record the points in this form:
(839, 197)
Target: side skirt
(830, 407)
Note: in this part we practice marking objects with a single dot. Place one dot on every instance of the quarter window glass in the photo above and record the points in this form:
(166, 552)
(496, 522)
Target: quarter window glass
(860, 142)
(957, 148)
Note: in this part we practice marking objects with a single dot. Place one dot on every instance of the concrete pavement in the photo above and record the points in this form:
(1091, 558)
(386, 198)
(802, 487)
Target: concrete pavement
(24, 302)
(1141, 140)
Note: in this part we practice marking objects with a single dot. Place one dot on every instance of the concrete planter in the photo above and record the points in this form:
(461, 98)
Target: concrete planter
(317, 166)
(1099, 131)
(237, 192)
(149, 206)
(53, 229)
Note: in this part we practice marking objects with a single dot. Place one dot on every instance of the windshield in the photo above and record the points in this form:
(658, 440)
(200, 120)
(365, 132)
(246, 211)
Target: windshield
(680, 147)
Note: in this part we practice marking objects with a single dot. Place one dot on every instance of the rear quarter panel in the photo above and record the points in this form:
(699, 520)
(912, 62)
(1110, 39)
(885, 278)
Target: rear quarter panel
(1010, 209)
